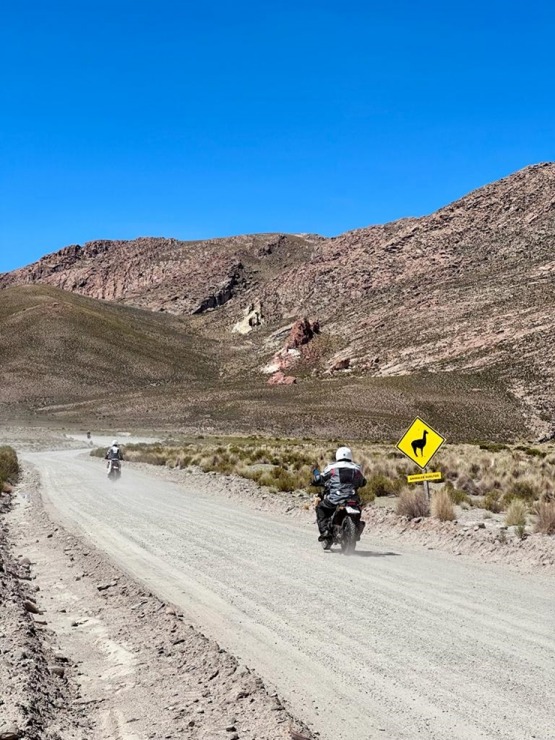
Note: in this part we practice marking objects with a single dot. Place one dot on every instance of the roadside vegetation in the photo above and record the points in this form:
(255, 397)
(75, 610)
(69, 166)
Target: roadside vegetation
(515, 482)
(9, 469)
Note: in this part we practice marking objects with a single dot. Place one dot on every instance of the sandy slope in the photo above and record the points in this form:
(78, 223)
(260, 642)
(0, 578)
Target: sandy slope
(387, 644)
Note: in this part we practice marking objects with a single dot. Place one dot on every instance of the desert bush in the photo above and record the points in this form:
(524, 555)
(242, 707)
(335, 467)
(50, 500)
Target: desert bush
(366, 495)
(492, 446)
(545, 512)
(442, 506)
(413, 504)
(467, 484)
(286, 481)
(449, 474)
(523, 490)
(9, 466)
(516, 513)
(532, 451)
(548, 496)
(492, 502)
(475, 469)
(457, 495)
(380, 485)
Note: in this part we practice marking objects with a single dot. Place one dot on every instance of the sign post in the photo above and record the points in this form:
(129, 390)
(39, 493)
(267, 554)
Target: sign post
(427, 487)
(420, 443)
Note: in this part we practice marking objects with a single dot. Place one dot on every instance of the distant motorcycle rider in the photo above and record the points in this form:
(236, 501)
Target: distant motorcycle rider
(340, 481)
(113, 453)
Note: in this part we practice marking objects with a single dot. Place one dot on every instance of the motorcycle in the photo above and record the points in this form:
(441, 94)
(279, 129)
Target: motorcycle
(114, 470)
(345, 526)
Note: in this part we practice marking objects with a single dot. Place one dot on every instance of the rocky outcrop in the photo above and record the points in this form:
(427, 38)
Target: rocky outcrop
(224, 293)
(341, 364)
(252, 318)
(280, 378)
(300, 334)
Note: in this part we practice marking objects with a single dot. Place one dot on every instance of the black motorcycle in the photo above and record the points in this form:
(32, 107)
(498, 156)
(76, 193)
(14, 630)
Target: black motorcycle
(345, 526)
(114, 470)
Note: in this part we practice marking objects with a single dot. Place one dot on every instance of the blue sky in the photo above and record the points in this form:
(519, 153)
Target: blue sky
(121, 119)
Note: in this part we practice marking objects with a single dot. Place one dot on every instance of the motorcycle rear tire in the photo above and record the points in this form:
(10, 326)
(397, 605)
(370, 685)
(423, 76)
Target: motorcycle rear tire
(348, 536)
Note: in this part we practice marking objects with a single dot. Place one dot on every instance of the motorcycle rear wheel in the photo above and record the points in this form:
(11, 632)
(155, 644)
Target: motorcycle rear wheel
(348, 536)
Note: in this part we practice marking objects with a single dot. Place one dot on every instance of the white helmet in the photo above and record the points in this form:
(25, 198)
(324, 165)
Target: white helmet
(344, 453)
(115, 443)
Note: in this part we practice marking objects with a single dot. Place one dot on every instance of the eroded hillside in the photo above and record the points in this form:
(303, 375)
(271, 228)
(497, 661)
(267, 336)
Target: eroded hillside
(467, 292)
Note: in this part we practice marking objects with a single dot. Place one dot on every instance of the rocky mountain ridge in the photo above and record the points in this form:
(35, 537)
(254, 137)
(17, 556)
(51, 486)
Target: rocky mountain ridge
(469, 288)
(164, 274)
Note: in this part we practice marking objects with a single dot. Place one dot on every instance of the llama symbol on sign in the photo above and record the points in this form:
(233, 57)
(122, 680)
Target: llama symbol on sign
(419, 444)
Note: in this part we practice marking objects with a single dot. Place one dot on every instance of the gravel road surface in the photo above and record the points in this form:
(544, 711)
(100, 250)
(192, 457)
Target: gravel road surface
(390, 643)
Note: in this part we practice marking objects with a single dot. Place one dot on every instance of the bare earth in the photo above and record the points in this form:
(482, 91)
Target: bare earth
(102, 658)
(400, 643)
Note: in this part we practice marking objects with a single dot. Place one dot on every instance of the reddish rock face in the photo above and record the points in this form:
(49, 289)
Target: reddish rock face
(301, 333)
(280, 378)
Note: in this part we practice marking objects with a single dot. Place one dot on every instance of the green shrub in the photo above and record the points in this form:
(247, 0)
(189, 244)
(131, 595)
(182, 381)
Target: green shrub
(380, 485)
(532, 451)
(492, 446)
(523, 490)
(366, 495)
(9, 466)
(456, 495)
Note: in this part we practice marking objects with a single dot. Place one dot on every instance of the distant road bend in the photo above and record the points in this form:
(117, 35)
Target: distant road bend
(393, 643)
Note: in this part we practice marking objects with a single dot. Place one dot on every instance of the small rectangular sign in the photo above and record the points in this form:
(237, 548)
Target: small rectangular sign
(420, 477)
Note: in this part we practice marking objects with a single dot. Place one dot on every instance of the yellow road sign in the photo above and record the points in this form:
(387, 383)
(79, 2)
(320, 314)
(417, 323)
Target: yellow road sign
(420, 442)
(421, 477)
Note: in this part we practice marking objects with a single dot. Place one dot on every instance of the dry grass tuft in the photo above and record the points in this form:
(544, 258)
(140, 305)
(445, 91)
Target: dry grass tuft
(489, 476)
(492, 502)
(545, 512)
(413, 504)
(516, 514)
(442, 506)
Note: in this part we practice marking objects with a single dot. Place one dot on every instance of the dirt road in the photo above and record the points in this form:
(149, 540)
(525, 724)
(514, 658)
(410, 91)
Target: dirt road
(387, 644)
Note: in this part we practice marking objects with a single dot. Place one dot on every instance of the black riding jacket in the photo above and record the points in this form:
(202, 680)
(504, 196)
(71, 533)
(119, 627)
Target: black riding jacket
(340, 480)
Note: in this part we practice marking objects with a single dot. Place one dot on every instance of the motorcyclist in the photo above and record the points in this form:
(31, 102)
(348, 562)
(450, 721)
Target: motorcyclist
(113, 453)
(340, 481)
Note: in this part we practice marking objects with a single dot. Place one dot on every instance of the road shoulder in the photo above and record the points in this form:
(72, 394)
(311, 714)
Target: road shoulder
(129, 665)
